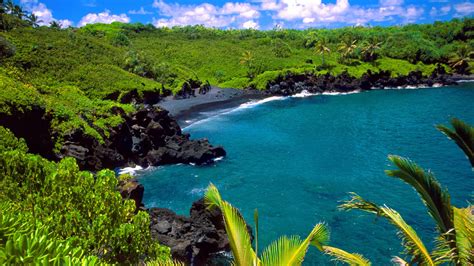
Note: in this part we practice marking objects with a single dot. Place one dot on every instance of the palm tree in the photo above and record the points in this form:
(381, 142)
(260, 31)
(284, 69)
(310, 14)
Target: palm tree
(9, 7)
(247, 60)
(55, 24)
(462, 135)
(284, 251)
(455, 226)
(2, 7)
(460, 59)
(347, 47)
(18, 11)
(33, 20)
(369, 51)
(322, 48)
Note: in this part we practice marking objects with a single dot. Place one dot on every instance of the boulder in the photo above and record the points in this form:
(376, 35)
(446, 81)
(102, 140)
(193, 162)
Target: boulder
(195, 239)
(132, 189)
(147, 137)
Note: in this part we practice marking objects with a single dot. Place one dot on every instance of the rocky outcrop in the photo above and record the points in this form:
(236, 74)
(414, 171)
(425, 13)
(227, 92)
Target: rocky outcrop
(194, 239)
(132, 189)
(296, 83)
(147, 137)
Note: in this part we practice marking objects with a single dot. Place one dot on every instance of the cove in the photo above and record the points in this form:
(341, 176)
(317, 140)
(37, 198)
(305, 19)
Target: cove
(295, 160)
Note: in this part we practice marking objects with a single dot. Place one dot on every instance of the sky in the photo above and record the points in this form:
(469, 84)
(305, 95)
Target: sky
(256, 14)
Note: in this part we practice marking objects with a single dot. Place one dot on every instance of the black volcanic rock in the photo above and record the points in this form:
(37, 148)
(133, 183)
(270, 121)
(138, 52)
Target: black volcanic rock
(290, 83)
(147, 137)
(194, 239)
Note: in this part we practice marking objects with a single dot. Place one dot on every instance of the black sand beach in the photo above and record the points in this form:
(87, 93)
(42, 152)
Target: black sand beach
(193, 108)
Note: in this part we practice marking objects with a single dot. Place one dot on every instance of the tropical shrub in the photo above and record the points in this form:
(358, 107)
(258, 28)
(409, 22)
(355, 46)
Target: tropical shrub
(280, 48)
(9, 142)
(78, 205)
(6, 48)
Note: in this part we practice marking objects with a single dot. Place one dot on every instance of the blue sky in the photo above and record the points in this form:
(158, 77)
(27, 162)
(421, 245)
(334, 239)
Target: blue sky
(259, 14)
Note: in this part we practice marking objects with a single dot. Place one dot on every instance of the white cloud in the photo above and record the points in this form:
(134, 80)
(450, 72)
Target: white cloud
(250, 24)
(141, 11)
(438, 12)
(304, 13)
(45, 15)
(103, 17)
(242, 9)
(464, 9)
(230, 14)
(391, 2)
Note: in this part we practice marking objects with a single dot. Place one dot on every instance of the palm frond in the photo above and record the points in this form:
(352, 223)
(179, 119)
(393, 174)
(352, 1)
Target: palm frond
(284, 251)
(292, 250)
(462, 135)
(236, 228)
(436, 199)
(413, 244)
(464, 225)
(354, 259)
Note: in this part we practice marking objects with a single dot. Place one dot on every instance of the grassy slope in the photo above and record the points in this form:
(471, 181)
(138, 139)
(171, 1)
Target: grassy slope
(70, 72)
(207, 57)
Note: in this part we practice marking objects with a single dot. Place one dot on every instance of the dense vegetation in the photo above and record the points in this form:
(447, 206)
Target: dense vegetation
(82, 78)
(56, 213)
(79, 75)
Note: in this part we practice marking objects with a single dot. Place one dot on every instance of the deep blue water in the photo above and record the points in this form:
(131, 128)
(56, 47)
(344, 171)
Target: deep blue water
(296, 159)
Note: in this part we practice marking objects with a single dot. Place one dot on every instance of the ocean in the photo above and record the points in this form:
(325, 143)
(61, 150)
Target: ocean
(296, 158)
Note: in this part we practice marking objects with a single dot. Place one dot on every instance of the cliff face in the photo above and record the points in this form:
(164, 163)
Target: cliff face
(149, 136)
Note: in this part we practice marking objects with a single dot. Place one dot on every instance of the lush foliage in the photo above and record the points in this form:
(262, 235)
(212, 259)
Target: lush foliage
(77, 213)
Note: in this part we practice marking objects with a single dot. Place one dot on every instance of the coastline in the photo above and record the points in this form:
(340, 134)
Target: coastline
(187, 111)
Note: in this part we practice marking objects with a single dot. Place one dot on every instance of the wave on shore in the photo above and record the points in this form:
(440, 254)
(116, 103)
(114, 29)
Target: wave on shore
(133, 171)
(303, 94)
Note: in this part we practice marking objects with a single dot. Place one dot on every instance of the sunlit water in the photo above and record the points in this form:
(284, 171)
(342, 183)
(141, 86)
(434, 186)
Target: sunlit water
(295, 160)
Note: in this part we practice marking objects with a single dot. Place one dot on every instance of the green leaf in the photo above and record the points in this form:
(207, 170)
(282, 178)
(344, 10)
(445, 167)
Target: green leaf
(344, 256)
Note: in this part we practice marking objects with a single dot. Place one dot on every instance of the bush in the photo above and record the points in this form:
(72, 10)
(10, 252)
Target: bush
(6, 48)
(78, 205)
(9, 142)
(280, 48)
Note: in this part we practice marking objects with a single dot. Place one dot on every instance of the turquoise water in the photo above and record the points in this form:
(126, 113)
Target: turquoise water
(295, 159)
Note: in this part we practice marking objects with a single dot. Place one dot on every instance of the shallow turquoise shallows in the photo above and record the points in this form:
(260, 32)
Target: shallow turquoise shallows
(296, 159)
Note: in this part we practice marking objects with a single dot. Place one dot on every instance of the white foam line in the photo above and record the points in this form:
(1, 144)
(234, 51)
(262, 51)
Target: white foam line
(304, 94)
(243, 106)
(135, 170)
(340, 93)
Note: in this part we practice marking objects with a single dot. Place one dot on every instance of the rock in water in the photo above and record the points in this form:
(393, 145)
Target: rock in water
(147, 137)
(194, 239)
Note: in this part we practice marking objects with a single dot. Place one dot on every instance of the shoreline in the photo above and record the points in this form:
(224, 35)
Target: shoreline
(187, 111)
